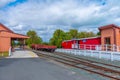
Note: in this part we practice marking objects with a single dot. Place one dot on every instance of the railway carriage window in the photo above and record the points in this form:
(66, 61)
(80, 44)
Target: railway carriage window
(84, 40)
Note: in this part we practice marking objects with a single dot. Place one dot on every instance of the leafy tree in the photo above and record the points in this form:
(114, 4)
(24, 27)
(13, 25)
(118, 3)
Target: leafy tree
(68, 36)
(91, 34)
(73, 33)
(86, 34)
(34, 38)
(13, 43)
(98, 33)
(82, 35)
(45, 43)
(58, 37)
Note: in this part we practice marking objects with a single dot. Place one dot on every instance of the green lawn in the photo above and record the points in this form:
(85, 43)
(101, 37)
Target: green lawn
(4, 54)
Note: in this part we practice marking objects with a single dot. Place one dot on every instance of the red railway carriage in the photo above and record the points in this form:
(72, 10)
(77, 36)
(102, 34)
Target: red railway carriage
(43, 47)
(67, 44)
(84, 43)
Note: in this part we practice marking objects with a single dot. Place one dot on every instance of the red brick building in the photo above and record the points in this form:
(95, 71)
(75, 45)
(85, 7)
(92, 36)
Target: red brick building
(110, 34)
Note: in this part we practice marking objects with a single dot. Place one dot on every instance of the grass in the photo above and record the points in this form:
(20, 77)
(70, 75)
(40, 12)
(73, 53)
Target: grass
(4, 54)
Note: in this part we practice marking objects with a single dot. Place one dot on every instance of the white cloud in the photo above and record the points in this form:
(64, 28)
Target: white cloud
(46, 16)
(5, 2)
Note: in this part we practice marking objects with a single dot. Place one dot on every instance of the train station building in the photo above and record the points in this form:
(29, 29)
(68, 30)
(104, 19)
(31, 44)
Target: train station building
(7, 36)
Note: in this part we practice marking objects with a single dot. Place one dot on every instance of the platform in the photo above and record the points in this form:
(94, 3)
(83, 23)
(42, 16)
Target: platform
(22, 54)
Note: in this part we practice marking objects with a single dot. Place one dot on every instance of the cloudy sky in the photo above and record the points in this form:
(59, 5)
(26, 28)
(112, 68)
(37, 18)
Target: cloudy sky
(45, 16)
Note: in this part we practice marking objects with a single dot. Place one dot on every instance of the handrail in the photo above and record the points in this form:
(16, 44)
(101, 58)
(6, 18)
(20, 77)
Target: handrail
(10, 52)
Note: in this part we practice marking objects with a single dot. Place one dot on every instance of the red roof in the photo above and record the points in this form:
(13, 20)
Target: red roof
(1, 25)
(109, 26)
(5, 29)
(83, 38)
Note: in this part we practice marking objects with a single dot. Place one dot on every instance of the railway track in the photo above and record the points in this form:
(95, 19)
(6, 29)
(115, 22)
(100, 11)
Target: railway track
(87, 60)
(87, 65)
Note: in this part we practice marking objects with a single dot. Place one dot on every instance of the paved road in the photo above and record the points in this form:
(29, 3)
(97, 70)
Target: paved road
(35, 69)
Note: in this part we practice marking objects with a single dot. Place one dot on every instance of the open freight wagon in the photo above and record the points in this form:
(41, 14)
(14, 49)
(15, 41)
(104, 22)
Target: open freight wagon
(42, 47)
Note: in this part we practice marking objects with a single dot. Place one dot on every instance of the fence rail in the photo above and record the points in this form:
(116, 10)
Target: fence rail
(110, 52)
(97, 47)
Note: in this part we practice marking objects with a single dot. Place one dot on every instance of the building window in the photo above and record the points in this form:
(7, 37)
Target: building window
(107, 40)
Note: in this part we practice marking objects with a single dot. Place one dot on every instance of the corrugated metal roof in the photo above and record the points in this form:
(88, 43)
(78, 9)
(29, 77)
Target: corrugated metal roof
(83, 38)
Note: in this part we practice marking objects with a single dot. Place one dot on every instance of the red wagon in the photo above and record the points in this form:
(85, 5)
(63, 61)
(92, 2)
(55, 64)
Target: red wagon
(42, 47)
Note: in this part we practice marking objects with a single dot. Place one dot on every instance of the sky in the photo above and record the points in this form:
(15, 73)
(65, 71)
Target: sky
(45, 16)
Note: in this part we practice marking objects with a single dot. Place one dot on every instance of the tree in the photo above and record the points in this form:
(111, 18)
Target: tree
(86, 34)
(82, 35)
(45, 43)
(73, 33)
(68, 36)
(34, 38)
(98, 33)
(58, 37)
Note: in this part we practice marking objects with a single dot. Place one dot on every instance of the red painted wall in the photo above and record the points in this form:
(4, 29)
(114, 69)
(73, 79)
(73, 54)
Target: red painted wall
(67, 44)
(94, 41)
(88, 42)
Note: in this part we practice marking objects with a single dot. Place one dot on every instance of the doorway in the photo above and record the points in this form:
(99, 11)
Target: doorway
(108, 44)
(107, 41)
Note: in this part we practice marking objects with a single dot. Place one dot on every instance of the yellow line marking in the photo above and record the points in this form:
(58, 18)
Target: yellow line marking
(32, 54)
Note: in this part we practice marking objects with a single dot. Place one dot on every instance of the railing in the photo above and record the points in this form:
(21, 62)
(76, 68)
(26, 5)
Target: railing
(111, 52)
(10, 52)
(98, 47)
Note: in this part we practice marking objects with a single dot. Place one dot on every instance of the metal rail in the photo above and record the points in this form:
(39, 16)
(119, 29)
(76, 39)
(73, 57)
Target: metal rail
(91, 65)
(78, 58)
(72, 62)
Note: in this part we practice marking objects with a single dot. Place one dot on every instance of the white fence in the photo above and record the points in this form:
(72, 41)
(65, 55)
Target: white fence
(97, 47)
(110, 55)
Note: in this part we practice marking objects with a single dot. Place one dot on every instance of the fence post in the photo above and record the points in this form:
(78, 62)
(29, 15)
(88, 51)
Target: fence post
(113, 47)
(106, 47)
(99, 54)
(10, 51)
(75, 51)
(90, 50)
(111, 56)
(79, 46)
(84, 50)
(70, 51)
(117, 49)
